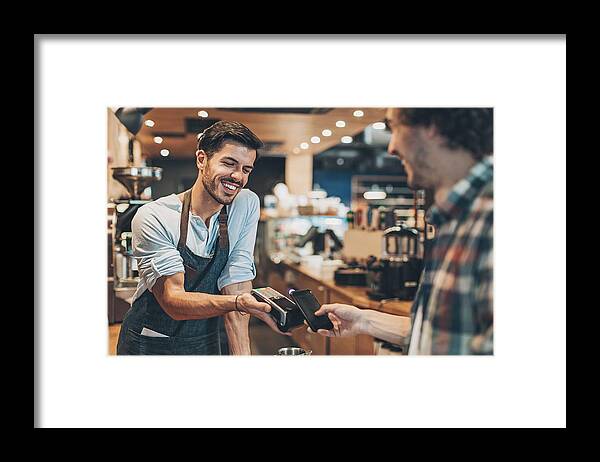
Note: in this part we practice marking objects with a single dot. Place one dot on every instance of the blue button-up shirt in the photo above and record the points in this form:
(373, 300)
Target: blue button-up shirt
(155, 229)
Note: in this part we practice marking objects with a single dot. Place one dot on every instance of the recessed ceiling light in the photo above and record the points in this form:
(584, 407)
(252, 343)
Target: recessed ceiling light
(379, 126)
(358, 113)
(326, 132)
(340, 124)
(346, 139)
(315, 140)
(296, 150)
(158, 139)
(304, 145)
(149, 123)
(164, 152)
(203, 113)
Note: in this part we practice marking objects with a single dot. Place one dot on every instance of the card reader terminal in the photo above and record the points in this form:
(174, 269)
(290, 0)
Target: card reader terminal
(284, 311)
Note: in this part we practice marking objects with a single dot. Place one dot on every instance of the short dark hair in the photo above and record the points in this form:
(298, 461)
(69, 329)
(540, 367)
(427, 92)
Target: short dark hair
(212, 139)
(469, 128)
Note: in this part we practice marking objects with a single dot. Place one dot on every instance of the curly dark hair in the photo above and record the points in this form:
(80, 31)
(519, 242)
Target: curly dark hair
(213, 138)
(469, 128)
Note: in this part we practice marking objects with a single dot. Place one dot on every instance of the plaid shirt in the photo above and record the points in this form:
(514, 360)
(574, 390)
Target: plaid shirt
(454, 301)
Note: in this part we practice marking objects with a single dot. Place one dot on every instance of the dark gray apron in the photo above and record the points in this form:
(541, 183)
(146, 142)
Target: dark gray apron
(190, 337)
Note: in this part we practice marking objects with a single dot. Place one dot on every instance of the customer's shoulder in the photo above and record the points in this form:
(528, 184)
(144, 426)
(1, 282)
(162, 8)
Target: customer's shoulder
(482, 211)
(485, 200)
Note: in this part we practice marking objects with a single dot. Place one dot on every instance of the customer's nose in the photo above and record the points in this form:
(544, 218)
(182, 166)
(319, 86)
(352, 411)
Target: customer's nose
(392, 151)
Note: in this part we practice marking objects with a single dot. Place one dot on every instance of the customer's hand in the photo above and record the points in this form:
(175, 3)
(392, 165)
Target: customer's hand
(347, 320)
(246, 303)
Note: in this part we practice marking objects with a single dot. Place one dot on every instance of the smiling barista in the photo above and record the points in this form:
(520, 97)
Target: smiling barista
(193, 246)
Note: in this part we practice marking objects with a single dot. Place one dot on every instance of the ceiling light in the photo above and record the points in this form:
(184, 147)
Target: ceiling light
(358, 113)
(304, 145)
(346, 139)
(203, 113)
(158, 139)
(164, 152)
(379, 126)
(326, 132)
(315, 140)
(149, 123)
(296, 150)
(374, 195)
(340, 124)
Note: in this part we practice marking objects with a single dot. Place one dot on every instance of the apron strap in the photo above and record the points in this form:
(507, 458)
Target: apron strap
(223, 235)
(185, 215)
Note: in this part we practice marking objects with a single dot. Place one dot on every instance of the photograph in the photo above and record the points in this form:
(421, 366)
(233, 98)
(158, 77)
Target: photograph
(376, 205)
(300, 231)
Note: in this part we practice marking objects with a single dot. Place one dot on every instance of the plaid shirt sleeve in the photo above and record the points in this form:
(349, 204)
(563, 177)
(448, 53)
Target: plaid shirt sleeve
(456, 293)
(483, 343)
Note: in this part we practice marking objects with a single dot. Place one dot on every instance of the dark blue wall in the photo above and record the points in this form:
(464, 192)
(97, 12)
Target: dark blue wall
(336, 183)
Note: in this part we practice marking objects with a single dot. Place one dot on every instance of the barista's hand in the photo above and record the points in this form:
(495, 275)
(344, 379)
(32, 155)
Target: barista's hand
(248, 304)
(347, 320)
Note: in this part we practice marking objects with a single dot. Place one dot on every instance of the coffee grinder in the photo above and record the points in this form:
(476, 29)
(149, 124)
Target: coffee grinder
(396, 274)
(135, 180)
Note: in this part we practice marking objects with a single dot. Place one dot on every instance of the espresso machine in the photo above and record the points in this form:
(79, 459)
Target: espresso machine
(323, 242)
(396, 274)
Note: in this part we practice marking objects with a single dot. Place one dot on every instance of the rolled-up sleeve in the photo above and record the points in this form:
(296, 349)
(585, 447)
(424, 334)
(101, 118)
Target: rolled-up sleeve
(240, 265)
(153, 247)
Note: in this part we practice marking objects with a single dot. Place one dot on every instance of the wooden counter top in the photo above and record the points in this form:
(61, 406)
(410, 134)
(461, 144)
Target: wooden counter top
(358, 295)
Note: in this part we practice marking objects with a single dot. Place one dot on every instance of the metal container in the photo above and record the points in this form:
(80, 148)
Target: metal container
(293, 351)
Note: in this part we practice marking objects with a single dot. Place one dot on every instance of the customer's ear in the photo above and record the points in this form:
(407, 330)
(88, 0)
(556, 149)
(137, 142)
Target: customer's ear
(431, 132)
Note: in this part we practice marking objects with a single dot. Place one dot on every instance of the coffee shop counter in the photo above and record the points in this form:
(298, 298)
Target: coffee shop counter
(285, 275)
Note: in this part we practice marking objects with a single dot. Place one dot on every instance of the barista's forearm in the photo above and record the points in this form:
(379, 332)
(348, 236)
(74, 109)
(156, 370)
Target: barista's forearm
(181, 305)
(384, 326)
(236, 325)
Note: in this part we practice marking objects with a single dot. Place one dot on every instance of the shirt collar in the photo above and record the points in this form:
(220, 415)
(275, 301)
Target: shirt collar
(463, 193)
(172, 201)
